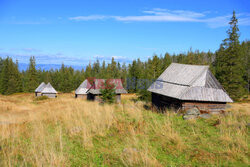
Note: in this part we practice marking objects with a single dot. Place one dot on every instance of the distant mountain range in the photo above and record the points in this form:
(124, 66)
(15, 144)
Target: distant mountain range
(24, 66)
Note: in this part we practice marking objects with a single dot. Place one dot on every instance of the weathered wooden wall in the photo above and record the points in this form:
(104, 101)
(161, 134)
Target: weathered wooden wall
(206, 106)
(90, 96)
(81, 96)
(163, 102)
(49, 95)
(38, 94)
(118, 98)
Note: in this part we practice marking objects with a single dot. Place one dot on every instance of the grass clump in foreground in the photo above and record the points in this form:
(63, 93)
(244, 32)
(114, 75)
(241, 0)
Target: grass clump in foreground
(73, 132)
(41, 98)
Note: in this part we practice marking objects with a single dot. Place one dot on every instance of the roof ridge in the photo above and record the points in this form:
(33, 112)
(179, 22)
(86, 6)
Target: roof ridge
(172, 82)
(191, 64)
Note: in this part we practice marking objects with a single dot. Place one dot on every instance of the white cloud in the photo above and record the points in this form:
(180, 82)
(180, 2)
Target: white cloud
(176, 13)
(244, 21)
(119, 57)
(109, 58)
(165, 15)
(87, 18)
(222, 21)
(158, 18)
(46, 58)
(219, 21)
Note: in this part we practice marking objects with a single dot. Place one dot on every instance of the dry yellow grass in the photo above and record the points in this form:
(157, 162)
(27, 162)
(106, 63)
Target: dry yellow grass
(74, 132)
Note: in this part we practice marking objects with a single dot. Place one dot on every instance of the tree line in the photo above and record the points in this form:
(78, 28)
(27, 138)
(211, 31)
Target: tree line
(230, 64)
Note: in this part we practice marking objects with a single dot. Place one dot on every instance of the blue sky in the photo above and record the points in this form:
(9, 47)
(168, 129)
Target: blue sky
(76, 32)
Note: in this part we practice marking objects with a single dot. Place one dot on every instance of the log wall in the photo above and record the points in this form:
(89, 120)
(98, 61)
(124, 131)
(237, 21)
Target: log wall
(206, 106)
(49, 95)
(81, 96)
(161, 102)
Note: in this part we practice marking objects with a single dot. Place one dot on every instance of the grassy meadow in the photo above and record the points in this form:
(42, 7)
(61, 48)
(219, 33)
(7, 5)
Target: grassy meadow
(74, 132)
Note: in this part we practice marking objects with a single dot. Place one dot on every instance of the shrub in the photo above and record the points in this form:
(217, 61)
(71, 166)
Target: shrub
(41, 98)
(108, 92)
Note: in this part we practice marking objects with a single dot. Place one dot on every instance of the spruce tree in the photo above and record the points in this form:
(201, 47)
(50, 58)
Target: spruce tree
(10, 80)
(166, 62)
(18, 78)
(66, 77)
(88, 71)
(246, 53)
(1, 64)
(229, 60)
(32, 76)
(4, 76)
(108, 92)
(114, 69)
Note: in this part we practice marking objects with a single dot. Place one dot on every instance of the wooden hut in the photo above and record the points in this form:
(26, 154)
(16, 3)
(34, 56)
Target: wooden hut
(49, 91)
(39, 89)
(183, 86)
(94, 92)
(81, 91)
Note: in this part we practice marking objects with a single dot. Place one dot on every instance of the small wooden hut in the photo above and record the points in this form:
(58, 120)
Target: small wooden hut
(183, 86)
(81, 91)
(94, 92)
(49, 91)
(39, 89)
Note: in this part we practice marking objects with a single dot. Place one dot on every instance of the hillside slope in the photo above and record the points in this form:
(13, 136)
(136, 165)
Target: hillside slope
(73, 132)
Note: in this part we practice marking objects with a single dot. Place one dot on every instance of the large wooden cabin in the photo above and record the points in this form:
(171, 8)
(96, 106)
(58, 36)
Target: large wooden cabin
(183, 86)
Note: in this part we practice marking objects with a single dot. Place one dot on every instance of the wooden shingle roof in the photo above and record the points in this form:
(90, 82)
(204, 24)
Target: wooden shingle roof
(82, 89)
(189, 82)
(40, 87)
(49, 89)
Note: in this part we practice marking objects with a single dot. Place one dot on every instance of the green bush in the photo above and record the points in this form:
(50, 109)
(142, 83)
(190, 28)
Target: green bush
(41, 98)
(108, 93)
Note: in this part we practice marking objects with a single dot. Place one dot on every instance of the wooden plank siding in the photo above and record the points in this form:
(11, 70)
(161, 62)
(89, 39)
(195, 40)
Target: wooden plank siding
(206, 106)
(49, 95)
(161, 102)
(81, 96)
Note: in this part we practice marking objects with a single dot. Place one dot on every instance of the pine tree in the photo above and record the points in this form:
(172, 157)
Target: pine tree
(88, 71)
(10, 80)
(4, 76)
(96, 69)
(1, 64)
(18, 78)
(103, 70)
(66, 77)
(156, 67)
(246, 53)
(134, 75)
(55, 78)
(229, 60)
(166, 62)
(114, 69)
(124, 75)
(145, 82)
(32, 77)
(108, 93)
